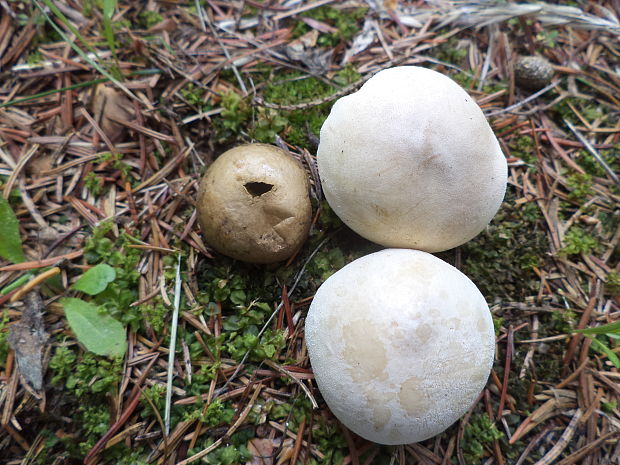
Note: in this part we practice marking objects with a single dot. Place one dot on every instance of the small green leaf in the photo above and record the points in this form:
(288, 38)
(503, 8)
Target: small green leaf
(108, 8)
(605, 329)
(602, 348)
(11, 243)
(96, 279)
(99, 333)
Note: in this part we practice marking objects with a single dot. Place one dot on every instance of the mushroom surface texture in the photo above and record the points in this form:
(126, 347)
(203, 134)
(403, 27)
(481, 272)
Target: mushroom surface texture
(410, 161)
(253, 204)
(401, 344)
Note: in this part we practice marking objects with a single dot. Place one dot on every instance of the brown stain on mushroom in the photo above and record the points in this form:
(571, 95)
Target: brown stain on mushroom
(378, 400)
(424, 332)
(421, 270)
(413, 398)
(380, 211)
(364, 351)
(380, 416)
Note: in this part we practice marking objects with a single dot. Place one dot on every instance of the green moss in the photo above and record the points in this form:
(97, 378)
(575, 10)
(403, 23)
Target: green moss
(580, 185)
(242, 297)
(86, 374)
(563, 320)
(612, 283)
(118, 296)
(218, 413)
(330, 441)
(194, 95)
(153, 397)
(93, 183)
(267, 125)
(578, 241)
(34, 58)
(547, 38)
(295, 88)
(240, 121)
(451, 52)
(500, 260)
(87, 381)
(4, 333)
(326, 262)
(609, 407)
(236, 113)
(588, 108)
(479, 432)
(155, 313)
(344, 20)
(523, 147)
(592, 167)
(148, 18)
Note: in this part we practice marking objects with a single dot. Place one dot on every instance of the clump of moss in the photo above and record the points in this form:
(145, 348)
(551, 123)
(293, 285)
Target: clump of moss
(501, 259)
(450, 51)
(4, 332)
(295, 88)
(479, 432)
(345, 21)
(148, 18)
(612, 283)
(241, 121)
(580, 185)
(523, 147)
(123, 291)
(578, 241)
(89, 378)
(245, 299)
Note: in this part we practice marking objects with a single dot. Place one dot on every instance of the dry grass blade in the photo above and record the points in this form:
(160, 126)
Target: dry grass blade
(173, 341)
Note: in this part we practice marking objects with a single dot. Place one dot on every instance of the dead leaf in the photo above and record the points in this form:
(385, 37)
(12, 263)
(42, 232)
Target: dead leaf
(168, 25)
(40, 165)
(362, 40)
(304, 49)
(28, 339)
(262, 451)
(108, 105)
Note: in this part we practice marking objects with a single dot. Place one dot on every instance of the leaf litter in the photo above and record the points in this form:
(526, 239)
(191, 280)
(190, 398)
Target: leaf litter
(122, 160)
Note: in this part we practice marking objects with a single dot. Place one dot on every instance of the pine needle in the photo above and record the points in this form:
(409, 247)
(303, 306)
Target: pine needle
(173, 341)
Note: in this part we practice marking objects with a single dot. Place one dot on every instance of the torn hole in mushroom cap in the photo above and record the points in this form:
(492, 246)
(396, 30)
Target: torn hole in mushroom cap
(256, 189)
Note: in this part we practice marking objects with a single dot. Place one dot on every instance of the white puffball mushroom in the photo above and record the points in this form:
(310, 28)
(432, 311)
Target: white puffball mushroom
(410, 161)
(401, 344)
(254, 205)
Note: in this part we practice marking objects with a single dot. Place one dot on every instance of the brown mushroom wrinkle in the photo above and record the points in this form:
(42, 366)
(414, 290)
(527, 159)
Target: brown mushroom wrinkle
(253, 204)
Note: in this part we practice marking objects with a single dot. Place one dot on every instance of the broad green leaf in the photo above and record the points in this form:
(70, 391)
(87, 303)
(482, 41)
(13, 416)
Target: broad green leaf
(99, 333)
(96, 279)
(602, 348)
(108, 8)
(10, 242)
(605, 329)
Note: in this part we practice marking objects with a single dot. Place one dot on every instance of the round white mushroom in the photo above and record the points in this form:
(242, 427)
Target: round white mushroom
(401, 344)
(254, 205)
(410, 161)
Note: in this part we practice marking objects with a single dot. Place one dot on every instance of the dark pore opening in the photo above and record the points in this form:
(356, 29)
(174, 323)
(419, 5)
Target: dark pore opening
(256, 189)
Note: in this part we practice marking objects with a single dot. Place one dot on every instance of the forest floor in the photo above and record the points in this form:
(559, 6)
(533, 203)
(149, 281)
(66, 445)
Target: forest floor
(110, 111)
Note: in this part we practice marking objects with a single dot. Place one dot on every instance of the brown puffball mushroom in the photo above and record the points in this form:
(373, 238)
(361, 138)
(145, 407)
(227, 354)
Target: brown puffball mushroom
(253, 204)
(533, 72)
